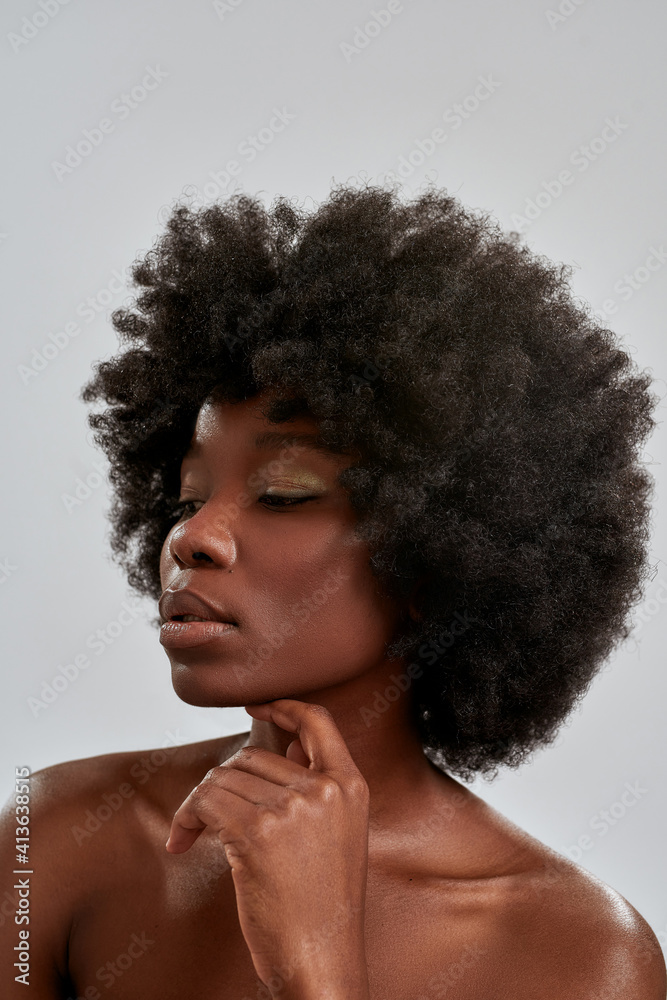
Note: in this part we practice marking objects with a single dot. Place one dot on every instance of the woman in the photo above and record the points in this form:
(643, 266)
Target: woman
(419, 459)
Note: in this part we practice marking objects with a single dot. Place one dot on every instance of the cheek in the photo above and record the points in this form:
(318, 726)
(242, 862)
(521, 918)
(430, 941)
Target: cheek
(329, 601)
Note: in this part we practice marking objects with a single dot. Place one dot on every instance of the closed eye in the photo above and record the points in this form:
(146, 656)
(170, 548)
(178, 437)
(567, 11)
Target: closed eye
(279, 502)
(272, 501)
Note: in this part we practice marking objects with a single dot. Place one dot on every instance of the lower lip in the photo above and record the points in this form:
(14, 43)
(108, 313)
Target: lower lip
(181, 634)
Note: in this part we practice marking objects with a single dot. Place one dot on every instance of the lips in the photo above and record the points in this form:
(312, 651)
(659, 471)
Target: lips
(187, 606)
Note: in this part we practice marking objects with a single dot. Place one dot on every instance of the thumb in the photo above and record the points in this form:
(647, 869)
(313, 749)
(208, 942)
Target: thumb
(296, 753)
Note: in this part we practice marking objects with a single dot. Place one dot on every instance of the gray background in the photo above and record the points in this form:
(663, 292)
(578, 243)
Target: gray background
(220, 72)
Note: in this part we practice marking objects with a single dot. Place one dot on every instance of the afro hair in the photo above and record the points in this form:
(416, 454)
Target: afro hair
(500, 427)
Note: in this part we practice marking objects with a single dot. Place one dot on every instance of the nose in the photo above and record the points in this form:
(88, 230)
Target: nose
(205, 539)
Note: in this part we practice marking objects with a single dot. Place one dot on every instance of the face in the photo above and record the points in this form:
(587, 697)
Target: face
(266, 543)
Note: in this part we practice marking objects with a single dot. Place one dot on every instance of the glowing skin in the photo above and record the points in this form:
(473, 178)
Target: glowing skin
(310, 625)
(268, 535)
(301, 567)
(408, 884)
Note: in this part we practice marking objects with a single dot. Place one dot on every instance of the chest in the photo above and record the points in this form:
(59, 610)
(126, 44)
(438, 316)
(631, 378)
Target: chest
(154, 926)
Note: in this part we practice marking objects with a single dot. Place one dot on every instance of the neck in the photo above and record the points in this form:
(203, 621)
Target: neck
(381, 737)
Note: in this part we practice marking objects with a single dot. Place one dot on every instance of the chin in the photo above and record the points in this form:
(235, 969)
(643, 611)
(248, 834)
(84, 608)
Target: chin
(204, 692)
(195, 688)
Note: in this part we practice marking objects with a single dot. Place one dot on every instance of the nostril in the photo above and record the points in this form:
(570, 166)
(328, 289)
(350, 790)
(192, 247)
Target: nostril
(201, 555)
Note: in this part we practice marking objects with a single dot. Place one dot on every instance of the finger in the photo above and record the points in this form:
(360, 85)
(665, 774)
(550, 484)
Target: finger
(318, 734)
(183, 834)
(252, 773)
(296, 753)
(292, 770)
(225, 812)
(249, 786)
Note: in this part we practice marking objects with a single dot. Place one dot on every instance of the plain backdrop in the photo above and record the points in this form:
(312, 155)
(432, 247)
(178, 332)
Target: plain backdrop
(550, 115)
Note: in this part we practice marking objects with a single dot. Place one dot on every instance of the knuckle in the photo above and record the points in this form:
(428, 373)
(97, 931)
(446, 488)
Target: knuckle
(263, 829)
(355, 788)
(249, 751)
(244, 754)
(329, 789)
(211, 778)
(198, 793)
(358, 785)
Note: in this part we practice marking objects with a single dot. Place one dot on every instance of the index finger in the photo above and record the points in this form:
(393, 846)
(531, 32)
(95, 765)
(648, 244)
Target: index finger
(318, 734)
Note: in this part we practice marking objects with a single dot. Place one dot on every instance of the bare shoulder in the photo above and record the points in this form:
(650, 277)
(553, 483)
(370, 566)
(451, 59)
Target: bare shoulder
(172, 755)
(71, 801)
(568, 933)
(155, 774)
(584, 936)
(80, 826)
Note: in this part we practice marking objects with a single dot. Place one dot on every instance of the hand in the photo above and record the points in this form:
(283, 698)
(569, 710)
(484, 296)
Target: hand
(295, 833)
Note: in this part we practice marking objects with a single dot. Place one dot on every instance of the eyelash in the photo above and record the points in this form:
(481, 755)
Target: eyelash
(287, 501)
(182, 508)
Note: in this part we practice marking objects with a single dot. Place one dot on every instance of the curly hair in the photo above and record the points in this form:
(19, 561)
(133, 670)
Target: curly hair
(500, 427)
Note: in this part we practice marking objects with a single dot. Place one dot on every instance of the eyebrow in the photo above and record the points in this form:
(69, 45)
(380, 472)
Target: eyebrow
(274, 439)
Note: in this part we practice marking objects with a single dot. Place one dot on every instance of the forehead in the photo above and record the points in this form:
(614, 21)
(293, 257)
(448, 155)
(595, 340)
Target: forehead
(222, 416)
(243, 425)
